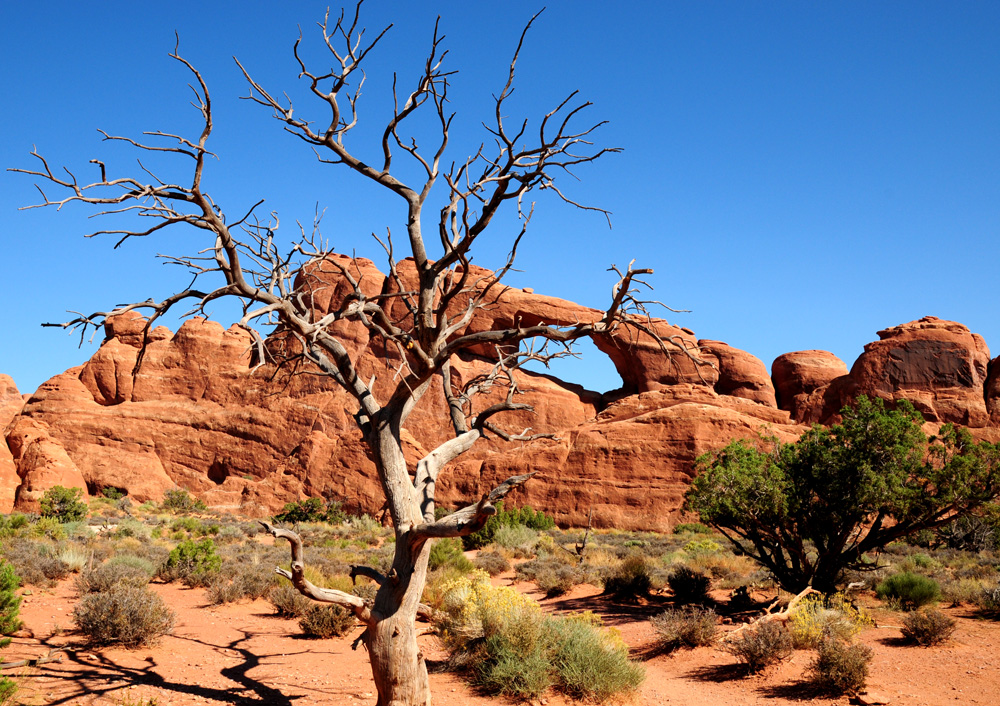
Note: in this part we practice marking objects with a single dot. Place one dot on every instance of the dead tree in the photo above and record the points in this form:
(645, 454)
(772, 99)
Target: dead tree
(241, 259)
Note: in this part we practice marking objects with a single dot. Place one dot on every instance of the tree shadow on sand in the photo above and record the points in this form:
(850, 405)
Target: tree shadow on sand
(98, 674)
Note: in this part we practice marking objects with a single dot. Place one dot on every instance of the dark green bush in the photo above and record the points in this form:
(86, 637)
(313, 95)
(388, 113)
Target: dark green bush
(841, 667)
(10, 602)
(630, 581)
(525, 516)
(448, 552)
(10, 605)
(492, 562)
(909, 591)
(128, 616)
(195, 563)
(63, 504)
(325, 621)
(312, 510)
(114, 493)
(688, 585)
(688, 627)
(760, 646)
(928, 627)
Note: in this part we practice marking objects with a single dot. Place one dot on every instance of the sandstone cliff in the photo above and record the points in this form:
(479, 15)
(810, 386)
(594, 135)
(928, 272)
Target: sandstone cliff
(195, 415)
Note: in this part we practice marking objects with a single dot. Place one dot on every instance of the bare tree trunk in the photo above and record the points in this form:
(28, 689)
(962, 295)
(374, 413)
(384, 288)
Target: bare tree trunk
(398, 665)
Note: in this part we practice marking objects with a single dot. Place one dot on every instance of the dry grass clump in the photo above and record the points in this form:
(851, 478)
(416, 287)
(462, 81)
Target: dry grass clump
(492, 562)
(630, 581)
(760, 646)
(554, 574)
(129, 616)
(118, 571)
(689, 627)
(35, 561)
(326, 621)
(512, 649)
(928, 627)
(245, 582)
(841, 667)
(288, 602)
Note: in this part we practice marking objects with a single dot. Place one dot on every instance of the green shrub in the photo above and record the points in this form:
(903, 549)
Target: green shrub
(114, 493)
(760, 646)
(128, 616)
(689, 627)
(63, 504)
(10, 606)
(630, 581)
(928, 627)
(699, 547)
(841, 667)
(312, 510)
(195, 563)
(908, 591)
(325, 621)
(513, 649)
(492, 562)
(179, 500)
(525, 516)
(692, 528)
(288, 602)
(10, 602)
(591, 663)
(448, 551)
(688, 585)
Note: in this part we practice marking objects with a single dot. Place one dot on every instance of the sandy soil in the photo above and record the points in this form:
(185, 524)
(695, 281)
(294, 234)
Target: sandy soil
(243, 654)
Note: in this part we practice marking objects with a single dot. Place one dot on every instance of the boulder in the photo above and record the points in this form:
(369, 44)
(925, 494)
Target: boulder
(801, 380)
(939, 366)
(740, 373)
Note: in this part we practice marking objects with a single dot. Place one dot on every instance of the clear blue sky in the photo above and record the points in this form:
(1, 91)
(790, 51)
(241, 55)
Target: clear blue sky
(799, 174)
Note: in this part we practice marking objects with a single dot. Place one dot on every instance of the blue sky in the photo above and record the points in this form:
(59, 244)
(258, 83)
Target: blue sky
(799, 174)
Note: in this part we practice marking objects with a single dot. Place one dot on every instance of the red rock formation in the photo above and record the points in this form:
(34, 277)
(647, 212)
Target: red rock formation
(194, 414)
(937, 365)
(802, 379)
(632, 464)
(740, 374)
(10, 404)
(993, 392)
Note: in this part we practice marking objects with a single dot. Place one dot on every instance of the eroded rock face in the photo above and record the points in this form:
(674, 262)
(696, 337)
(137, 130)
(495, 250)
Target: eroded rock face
(10, 404)
(993, 392)
(939, 366)
(739, 373)
(194, 415)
